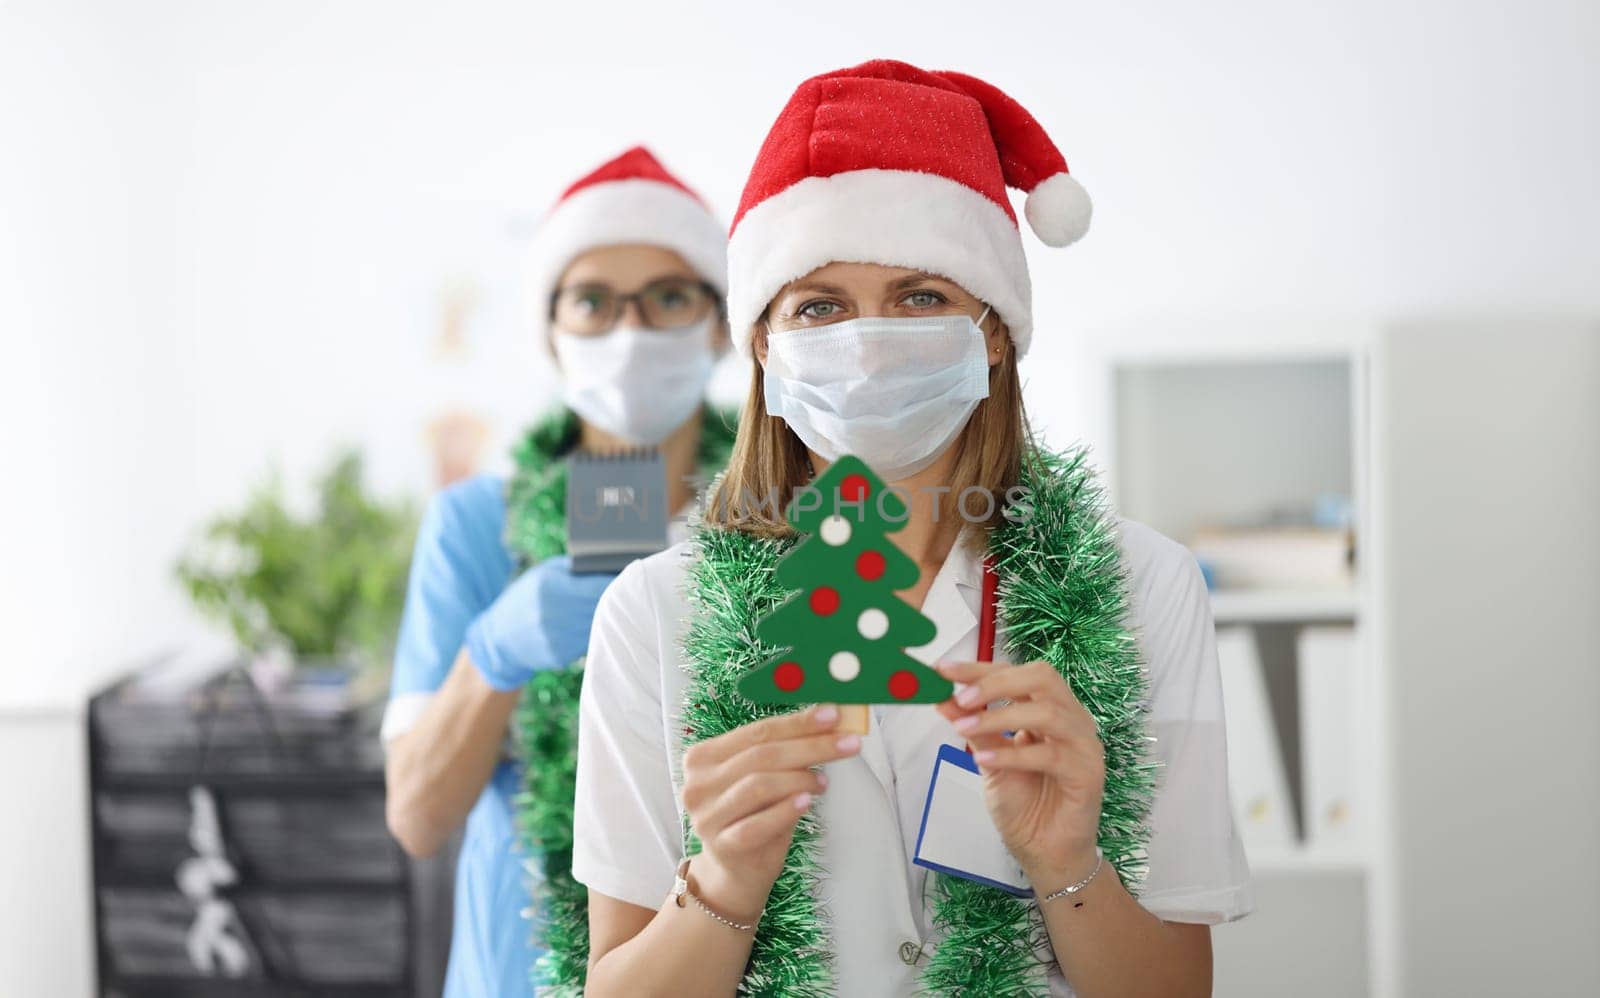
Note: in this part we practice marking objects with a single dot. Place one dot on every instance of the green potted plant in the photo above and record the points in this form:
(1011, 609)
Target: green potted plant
(321, 590)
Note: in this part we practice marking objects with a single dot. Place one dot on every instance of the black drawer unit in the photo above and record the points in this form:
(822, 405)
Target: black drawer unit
(240, 848)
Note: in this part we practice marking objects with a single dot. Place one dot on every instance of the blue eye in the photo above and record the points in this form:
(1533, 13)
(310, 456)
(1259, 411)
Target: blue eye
(818, 310)
(924, 299)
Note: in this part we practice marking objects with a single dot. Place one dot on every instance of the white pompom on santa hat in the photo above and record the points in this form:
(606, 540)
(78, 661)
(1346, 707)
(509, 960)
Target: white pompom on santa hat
(628, 199)
(891, 164)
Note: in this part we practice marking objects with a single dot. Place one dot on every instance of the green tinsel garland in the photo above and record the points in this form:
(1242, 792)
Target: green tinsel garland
(1063, 598)
(536, 493)
(732, 585)
(545, 725)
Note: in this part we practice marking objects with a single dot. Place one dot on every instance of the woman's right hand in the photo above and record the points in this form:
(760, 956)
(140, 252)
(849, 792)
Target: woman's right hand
(744, 792)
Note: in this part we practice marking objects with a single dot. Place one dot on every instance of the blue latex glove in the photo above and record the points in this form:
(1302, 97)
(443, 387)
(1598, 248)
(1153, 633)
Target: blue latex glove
(540, 622)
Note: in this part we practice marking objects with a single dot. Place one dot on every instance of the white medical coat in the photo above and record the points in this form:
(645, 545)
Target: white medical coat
(628, 829)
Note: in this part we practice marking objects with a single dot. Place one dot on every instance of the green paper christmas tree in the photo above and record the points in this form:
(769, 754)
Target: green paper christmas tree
(845, 633)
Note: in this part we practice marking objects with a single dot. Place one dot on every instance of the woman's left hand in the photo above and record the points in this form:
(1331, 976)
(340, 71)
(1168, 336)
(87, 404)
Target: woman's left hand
(1044, 785)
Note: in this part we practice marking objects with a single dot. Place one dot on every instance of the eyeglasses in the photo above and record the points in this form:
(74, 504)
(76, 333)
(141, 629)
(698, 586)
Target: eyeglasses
(669, 303)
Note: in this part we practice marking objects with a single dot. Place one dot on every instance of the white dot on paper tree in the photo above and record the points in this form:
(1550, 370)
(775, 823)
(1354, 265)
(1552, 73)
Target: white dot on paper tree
(844, 666)
(873, 624)
(835, 530)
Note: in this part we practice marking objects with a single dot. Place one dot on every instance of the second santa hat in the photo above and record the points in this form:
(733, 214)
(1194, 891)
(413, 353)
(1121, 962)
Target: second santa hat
(630, 198)
(888, 163)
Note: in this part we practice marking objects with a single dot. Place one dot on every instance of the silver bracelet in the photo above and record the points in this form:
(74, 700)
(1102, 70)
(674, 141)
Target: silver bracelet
(680, 890)
(1070, 889)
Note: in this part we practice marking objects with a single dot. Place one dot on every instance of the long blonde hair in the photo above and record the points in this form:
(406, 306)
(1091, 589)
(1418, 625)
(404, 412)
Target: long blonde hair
(769, 463)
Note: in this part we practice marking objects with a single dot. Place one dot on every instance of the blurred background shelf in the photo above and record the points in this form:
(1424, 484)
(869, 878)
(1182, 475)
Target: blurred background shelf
(1356, 714)
(1256, 458)
(189, 765)
(1284, 606)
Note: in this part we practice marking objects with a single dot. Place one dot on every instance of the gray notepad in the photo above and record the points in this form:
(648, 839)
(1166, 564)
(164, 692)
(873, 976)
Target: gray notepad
(616, 508)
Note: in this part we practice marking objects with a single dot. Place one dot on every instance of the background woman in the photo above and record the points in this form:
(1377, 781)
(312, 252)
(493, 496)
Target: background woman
(627, 277)
(877, 274)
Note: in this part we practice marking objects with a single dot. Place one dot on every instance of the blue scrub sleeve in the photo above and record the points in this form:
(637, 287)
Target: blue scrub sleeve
(458, 569)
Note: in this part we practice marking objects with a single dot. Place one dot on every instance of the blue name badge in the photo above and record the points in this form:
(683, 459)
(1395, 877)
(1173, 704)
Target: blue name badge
(957, 836)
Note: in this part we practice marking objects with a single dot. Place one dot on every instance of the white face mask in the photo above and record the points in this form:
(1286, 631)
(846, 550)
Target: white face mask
(893, 392)
(640, 384)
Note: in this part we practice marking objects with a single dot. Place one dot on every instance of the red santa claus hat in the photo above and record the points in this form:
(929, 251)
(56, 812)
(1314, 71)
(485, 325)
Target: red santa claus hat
(888, 163)
(629, 199)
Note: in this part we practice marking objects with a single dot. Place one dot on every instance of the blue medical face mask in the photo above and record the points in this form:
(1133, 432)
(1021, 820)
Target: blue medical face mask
(894, 392)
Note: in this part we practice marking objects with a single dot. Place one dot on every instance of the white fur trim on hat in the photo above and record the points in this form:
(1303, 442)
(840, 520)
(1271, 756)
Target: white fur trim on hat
(898, 218)
(1058, 210)
(617, 212)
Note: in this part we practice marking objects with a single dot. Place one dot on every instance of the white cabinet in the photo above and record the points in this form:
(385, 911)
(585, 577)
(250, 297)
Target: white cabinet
(1258, 460)
(1489, 495)
(1471, 451)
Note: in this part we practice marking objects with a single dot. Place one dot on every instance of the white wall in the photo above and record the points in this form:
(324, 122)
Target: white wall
(87, 409)
(85, 516)
(226, 226)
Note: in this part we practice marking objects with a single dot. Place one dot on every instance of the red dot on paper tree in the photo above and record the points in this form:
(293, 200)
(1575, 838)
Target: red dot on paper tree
(870, 565)
(854, 488)
(788, 677)
(824, 600)
(902, 685)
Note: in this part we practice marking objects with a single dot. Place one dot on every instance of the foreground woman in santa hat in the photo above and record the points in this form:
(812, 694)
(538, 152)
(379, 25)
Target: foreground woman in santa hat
(876, 274)
(626, 278)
